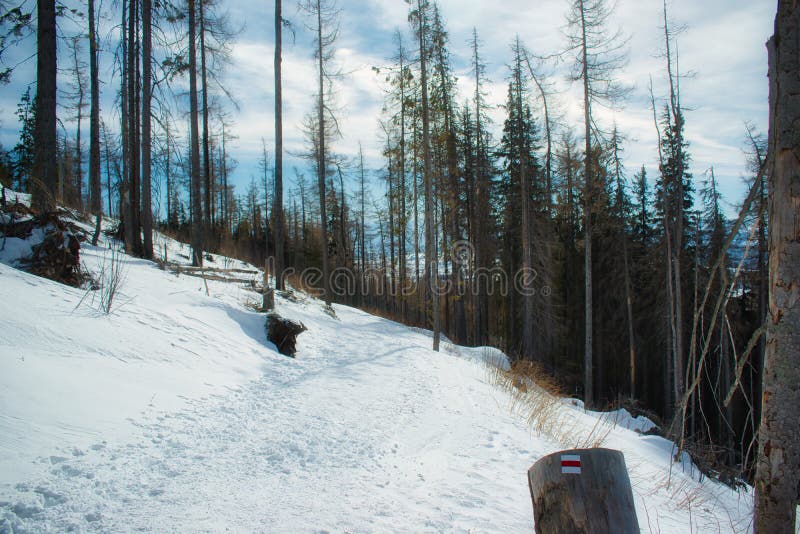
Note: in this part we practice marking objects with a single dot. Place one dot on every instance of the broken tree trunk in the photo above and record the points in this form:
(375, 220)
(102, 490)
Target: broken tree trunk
(777, 483)
(582, 491)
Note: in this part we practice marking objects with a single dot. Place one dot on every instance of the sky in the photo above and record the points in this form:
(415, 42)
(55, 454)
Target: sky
(722, 55)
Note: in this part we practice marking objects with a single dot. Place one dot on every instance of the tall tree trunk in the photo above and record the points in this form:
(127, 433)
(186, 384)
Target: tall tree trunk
(278, 197)
(621, 214)
(147, 92)
(321, 159)
(549, 230)
(197, 207)
(122, 186)
(134, 129)
(481, 206)
(778, 468)
(402, 178)
(45, 173)
(678, 361)
(95, 188)
(168, 173)
(525, 202)
(133, 223)
(391, 195)
(79, 122)
(207, 193)
(109, 187)
(588, 360)
(415, 177)
(431, 255)
(225, 199)
(362, 242)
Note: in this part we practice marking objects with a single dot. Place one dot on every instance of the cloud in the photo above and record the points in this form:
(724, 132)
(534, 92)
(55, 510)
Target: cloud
(723, 49)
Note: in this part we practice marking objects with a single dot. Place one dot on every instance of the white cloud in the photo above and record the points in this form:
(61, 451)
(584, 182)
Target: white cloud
(723, 46)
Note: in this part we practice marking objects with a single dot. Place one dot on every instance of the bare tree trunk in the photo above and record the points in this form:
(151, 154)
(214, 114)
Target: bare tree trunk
(79, 122)
(167, 172)
(133, 222)
(321, 159)
(124, 199)
(525, 202)
(207, 211)
(147, 92)
(225, 200)
(778, 467)
(95, 189)
(45, 173)
(415, 178)
(402, 167)
(548, 158)
(109, 188)
(588, 361)
(431, 255)
(278, 197)
(363, 251)
(482, 205)
(197, 207)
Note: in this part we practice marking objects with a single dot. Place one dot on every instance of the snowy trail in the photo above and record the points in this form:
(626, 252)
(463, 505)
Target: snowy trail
(173, 414)
(344, 438)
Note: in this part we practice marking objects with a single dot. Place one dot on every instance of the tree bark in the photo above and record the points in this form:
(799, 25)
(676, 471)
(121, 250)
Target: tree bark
(588, 360)
(582, 491)
(321, 159)
(525, 202)
(207, 210)
(278, 197)
(778, 466)
(197, 206)
(122, 186)
(431, 255)
(45, 173)
(95, 189)
(147, 93)
(133, 223)
(79, 122)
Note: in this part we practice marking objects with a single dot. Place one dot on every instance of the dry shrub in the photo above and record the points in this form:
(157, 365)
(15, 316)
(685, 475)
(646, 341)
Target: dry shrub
(536, 395)
(301, 284)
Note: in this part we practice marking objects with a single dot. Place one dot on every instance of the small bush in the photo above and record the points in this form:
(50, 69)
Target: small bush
(108, 281)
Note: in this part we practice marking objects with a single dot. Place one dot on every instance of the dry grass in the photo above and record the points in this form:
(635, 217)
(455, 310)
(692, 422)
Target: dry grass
(300, 283)
(537, 396)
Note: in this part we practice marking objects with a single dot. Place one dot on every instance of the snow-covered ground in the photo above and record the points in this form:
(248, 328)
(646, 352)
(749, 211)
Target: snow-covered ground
(174, 414)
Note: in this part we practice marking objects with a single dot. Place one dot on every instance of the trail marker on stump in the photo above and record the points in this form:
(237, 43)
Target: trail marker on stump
(582, 491)
(571, 464)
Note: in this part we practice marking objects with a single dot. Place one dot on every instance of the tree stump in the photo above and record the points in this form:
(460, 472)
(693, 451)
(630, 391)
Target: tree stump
(582, 491)
(268, 299)
(283, 332)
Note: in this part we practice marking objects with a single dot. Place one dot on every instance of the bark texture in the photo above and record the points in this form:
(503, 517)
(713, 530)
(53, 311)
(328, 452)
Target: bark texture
(778, 465)
(45, 171)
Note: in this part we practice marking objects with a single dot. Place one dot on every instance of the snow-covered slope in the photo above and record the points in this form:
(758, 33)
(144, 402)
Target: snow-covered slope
(173, 414)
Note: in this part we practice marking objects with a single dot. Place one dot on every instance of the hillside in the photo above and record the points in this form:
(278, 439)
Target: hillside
(173, 413)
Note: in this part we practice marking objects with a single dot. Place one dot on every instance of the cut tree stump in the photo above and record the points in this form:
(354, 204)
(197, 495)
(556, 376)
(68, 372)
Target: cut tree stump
(283, 332)
(582, 491)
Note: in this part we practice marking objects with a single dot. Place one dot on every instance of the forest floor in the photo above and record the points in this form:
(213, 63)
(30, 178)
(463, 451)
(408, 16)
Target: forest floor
(173, 413)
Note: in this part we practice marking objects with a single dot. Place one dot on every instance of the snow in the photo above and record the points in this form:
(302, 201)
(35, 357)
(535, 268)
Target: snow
(13, 197)
(173, 413)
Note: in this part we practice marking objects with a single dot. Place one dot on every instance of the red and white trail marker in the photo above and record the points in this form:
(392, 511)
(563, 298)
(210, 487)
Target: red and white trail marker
(571, 464)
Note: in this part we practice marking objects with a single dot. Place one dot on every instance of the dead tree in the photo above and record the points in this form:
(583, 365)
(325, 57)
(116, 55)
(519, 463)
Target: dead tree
(45, 173)
(778, 465)
(197, 205)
